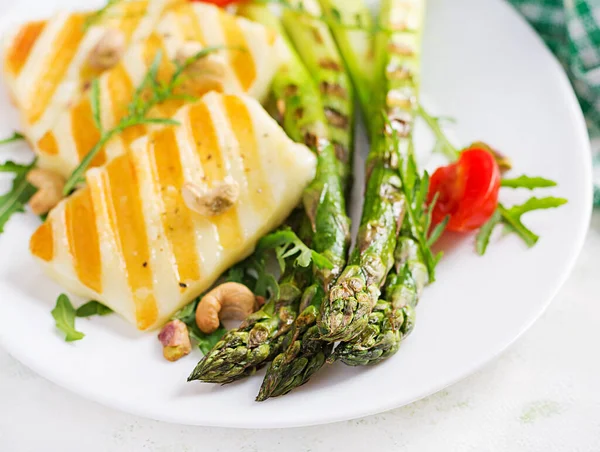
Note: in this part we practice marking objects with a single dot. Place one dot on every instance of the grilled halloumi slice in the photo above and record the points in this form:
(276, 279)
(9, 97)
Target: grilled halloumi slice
(129, 240)
(46, 63)
(247, 65)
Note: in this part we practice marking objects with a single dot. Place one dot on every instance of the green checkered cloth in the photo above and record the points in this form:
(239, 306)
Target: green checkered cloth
(571, 28)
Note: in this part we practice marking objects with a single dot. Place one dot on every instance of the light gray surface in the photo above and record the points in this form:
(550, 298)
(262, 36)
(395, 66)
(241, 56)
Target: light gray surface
(541, 395)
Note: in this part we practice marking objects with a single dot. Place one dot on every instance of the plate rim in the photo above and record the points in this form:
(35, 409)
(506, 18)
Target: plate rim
(578, 242)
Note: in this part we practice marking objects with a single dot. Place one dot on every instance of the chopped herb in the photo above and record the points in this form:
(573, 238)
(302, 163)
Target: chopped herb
(64, 316)
(92, 308)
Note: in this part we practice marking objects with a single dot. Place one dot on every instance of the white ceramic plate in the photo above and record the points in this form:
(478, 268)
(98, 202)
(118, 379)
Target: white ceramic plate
(483, 66)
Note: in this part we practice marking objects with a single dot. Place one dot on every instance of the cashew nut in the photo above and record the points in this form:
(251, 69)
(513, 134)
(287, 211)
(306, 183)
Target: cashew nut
(211, 201)
(108, 51)
(50, 190)
(211, 65)
(175, 340)
(229, 301)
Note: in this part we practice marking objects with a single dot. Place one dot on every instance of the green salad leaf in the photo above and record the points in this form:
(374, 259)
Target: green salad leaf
(205, 342)
(511, 219)
(64, 316)
(16, 136)
(286, 244)
(485, 233)
(528, 182)
(92, 308)
(20, 193)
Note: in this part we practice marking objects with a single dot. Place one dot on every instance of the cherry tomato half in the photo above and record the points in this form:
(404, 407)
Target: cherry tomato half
(468, 190)
(218, 2)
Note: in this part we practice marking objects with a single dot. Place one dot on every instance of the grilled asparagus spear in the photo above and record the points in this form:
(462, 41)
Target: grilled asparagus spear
(238, 354)
(393, 320)
(304, 353)
(303, 117)
(351, 24)
(258, 339)
(317, 48)
(346, 313)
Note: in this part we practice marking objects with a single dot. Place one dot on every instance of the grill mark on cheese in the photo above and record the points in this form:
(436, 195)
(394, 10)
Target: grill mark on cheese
(21, 47)
(176, 218)
(188, 22)
(64, 49)
(205, 138)
(47, 144)
(82, 237)
(85, 133)
(129, 228)
(155, 44)
(241, 60)
(120, 91)
(259, 190)
(133, 13)
(42, 242)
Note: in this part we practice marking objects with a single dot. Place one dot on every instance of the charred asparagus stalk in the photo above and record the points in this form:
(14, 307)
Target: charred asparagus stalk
(304, 353)
(303, 117)
(239, 354)
(351, 24)
(318, 51)
(258, 339)
(346, 313)
(393, 320)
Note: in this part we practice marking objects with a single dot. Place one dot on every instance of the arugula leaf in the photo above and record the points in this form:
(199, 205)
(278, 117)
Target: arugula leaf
(511, 219)
(485, 233)
(92, 308)
(534, 203)
(21, 192)
(286, 244)
(16, 136)
(253, 273)
(205, 342)
(443, 144)
(64, 316)
(12, 167)
(528, 182)
(187, 314)
(437, 232)
(418, 218)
